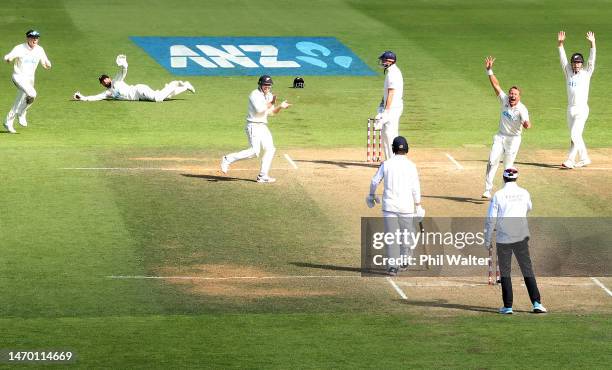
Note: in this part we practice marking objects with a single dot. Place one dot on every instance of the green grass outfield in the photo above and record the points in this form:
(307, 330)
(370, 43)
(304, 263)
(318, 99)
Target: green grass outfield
(62, 233)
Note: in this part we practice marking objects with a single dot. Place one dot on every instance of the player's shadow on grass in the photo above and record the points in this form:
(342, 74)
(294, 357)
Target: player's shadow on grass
(337, 268)
(213, 178)
(341, 164)
(455, 306)
(457, 199)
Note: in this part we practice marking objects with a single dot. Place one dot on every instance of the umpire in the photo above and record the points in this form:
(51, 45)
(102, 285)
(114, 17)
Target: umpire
(508, 215)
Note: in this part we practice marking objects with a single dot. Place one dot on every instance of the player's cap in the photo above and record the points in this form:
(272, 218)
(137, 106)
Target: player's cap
(400, 144)
(388, 55)
(511, 173)
(298, 83)
(32, 34)
(265, 80)
(577, 58)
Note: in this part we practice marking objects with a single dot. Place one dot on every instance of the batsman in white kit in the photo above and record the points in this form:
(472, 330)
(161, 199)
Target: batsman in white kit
(117, 89)
(261, 105)
(25, 58)
(578, 80)
(392, 104)
(401, 202)
(512, 119)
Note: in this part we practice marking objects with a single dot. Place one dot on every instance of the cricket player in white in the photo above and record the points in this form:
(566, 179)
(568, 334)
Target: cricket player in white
(117, 89)
(392, 104)
(512, 119)
(261, 104)
(507, 215)
(25, 58)
(401, 202)
(578, 80)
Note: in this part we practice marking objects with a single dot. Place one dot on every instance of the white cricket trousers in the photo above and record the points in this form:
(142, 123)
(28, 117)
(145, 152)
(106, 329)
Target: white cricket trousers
(171, 89)
(259, 138)
(503, 145)
(395, 221)
(25, 96)
(390, 130)
(576, 120)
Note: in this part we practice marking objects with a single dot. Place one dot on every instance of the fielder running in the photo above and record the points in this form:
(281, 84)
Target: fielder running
(577, 80)
(117, 89)
(401, 202)
(392, 104)
(512, 119)
(508, 215)
(261, 104)
(25, 58)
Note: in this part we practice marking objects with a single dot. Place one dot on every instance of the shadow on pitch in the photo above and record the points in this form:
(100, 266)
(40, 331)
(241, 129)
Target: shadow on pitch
(337, 268)
(341, 164)
(458, 199)
(213, 178)
(531, 164)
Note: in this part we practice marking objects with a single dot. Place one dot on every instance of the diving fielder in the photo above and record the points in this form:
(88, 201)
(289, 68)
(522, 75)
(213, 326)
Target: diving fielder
(512, 119)
(117, 89)
(577, 80)
(392, 104)
(25, 58)
(401, 202)
(261, 104)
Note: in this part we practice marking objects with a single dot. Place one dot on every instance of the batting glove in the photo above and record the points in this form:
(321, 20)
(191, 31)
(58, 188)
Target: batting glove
(488, 246)
(420, 213)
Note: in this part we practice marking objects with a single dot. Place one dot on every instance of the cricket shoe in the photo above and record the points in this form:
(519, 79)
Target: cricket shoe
(224, 164)
(22, 120)
(486, 194)
(583, 163)
(189, 86)
(392, 271)
(538, 308)
(505, 310)
(265, 179)
(9, 127)
(568, 164)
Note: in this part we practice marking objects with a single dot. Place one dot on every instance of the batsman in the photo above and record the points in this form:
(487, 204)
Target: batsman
(392, 104)
(401, 202)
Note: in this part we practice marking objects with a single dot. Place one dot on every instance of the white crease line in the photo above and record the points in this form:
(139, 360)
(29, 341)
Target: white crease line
(457, 164)
(397, 289)
(137, 277)
(291, 162)
(602, 286)
(154, 169)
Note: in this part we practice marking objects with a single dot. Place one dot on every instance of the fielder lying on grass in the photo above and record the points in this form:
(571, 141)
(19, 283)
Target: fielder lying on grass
(117, 89)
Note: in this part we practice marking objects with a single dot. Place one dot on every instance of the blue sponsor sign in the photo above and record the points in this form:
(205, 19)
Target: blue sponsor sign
(253, 56)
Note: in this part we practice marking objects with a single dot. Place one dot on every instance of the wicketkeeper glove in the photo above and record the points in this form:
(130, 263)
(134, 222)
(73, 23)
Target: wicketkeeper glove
(121, 61)
(284, 104)
(371, 200)
(77, 96)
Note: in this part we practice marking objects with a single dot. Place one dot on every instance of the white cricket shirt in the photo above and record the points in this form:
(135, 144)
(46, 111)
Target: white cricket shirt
(577, 83)
(508, 214)
(394, 80)
(26, 59)
(258, 107)
(402, 187)
(511, 119)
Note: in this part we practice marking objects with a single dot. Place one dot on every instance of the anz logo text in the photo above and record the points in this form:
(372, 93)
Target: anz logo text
(253, 55)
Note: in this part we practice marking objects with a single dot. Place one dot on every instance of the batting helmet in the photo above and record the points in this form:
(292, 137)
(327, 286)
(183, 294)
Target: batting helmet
(400, 144)
(577, 58)
(298, 83)
(388, 55)
(510, 174)
(265, 80)
(33, 34)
